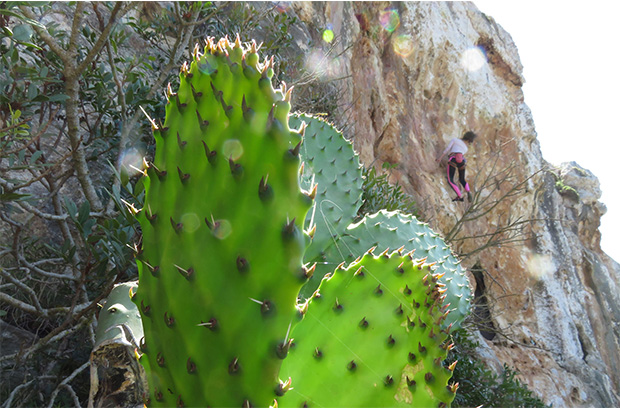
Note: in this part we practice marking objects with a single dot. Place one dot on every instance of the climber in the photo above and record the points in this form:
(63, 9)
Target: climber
(456, 160)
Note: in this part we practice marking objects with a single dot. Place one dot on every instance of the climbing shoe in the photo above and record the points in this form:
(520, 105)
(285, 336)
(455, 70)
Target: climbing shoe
(469, 197)
(458, 199)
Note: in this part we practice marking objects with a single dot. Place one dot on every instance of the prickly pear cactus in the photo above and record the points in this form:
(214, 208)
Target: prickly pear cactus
(332, 168)
(119, 319)
(372, 337)
(331, 164)
(395, 229)
(222, 242)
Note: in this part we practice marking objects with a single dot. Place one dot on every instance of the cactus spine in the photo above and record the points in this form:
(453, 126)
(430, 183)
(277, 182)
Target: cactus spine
(221, 260)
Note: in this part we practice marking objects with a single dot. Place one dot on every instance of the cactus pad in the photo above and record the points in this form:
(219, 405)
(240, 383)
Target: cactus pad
(330, 163)
(371, 337)
(394, 229)
(221, 260)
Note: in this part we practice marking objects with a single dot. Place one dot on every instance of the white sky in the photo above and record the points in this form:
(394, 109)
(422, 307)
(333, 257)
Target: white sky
(570, 54)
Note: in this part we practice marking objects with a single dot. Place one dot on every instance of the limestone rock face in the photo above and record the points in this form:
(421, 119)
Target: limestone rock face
(419, 74)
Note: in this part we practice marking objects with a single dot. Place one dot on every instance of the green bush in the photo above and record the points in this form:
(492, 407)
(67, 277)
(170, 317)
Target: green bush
(379, 193)
(481, 387)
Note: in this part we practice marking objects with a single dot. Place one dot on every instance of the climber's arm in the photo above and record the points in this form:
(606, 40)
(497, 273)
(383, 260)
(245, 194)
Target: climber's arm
(447, 150)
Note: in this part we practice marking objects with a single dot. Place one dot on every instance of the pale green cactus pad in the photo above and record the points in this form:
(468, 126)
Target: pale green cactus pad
(394, 230)
(332, 168)
(371, 337)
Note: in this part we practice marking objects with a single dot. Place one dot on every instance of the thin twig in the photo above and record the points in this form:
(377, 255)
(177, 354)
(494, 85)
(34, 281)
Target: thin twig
(8, 403)
(65, 384)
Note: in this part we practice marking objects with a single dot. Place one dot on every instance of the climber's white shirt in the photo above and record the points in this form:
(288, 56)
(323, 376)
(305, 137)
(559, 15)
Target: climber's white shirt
(455, 146)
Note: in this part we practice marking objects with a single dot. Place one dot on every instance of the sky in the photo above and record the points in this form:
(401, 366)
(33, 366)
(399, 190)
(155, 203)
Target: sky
(570, 55)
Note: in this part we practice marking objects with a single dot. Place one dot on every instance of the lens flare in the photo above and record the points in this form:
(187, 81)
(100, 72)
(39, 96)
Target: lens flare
(403, 45)
(282, 6)
(390, 20)
(540, 265)
(131, 161)
(222, 229)
(232, 149)
(473, 59)
(316, 63)
(328, 35)
(323, 66)
(207, 64)
(190, 222)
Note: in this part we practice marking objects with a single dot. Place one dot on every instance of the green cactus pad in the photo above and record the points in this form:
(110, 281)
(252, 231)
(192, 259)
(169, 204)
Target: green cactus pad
(331, 164)
(221, 260)
(119, 319)
(371, 337)
(394, 229)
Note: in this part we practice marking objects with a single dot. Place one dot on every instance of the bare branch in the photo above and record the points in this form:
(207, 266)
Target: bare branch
(9, 401)
(65, 384)
(21, 285)
(120, 9)
(78, 16)
(16, 303)
(24, 206)
(34, 268)
(482, 204)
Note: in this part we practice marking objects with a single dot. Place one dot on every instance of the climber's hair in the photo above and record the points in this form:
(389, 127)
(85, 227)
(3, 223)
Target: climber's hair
(469, 136)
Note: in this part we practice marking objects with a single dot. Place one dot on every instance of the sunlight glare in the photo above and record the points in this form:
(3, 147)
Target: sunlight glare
(232, 149)
(540, 266)
(328, 35)
(222, 229)
(403, 45)
(389, 19)
(282, 6)
(323, 66)
(131, 161)
(190, 222)
(207, 64)
(473, 59)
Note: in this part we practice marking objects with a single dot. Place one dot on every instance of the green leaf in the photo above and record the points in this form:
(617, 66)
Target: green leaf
(22, 32)
(30, 45)
(87, 227)
(83, 213)
(11, 196)
(23, 18)
(71, 207)
(3, 313)
(58, 98)
(32, 92)
(35, 157)
(40, 98)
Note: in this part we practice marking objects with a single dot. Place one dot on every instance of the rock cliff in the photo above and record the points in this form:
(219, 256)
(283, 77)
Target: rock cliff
(419, 74)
